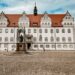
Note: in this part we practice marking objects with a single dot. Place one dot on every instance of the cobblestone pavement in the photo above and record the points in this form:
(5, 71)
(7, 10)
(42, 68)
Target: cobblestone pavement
(38, 63)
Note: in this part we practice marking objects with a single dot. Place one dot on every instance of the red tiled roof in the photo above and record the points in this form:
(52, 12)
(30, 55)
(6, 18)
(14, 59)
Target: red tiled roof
(13, 19)
(35, 20)
(57, 19)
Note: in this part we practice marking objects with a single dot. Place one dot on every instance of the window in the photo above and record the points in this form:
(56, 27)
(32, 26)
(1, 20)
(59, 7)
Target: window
(52, 39)
(4, 23)
(35, 24)
(67, 23)
(57, 30)
(69, 31)
(34, 30)
(63, 39)
(6, 39)
(20, 24)
(0, 45)
(46, 31)
(41, 46)
(63, 30)
(64, 23)
(12, 30)
(44, 17)
(57, 39)
(66, 17)
(0, 39)
(47, 46)
(13, 46)
(0, 30)
(45, 23)
(6, 30)
(53, 46)
(70, 23)
(40, 37)
(11, 39)
(40, 30)
(65, 46)
(29, 30)
(46, 39)
(51, 30)
(69, 39)
(48, 23)
(35, 46)
(71, 46)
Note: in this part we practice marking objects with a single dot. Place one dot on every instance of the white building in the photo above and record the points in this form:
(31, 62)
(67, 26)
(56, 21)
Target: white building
(37, 31)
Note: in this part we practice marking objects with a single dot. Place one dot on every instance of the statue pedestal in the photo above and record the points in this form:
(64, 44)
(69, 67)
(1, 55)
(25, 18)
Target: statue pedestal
(21, 47)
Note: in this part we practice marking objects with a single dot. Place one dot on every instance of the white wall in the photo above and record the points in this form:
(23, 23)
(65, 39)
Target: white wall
(55, 45)
(54, 35)
(8, 42)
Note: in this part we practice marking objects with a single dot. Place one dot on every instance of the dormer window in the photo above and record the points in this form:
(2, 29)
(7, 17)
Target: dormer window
(45, 21)
(23, 21)
(35, 24)
(67, 19)
(64, 23)
(3, 20)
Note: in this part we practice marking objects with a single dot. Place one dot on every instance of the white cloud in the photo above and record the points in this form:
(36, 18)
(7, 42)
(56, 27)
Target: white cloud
(18, 6)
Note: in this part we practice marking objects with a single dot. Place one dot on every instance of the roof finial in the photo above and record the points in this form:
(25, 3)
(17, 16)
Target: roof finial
(24, 12)
(35, 3)
(35, 9)
(45, 12)
(68, 13)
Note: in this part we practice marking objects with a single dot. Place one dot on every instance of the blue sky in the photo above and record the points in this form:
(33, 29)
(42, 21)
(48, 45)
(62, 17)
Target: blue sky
(51, 6)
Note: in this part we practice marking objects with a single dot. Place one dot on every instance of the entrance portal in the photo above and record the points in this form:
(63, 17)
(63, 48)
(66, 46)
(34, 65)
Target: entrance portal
(28, 45)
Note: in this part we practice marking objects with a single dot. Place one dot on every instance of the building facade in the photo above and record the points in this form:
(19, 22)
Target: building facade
(37, 31)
